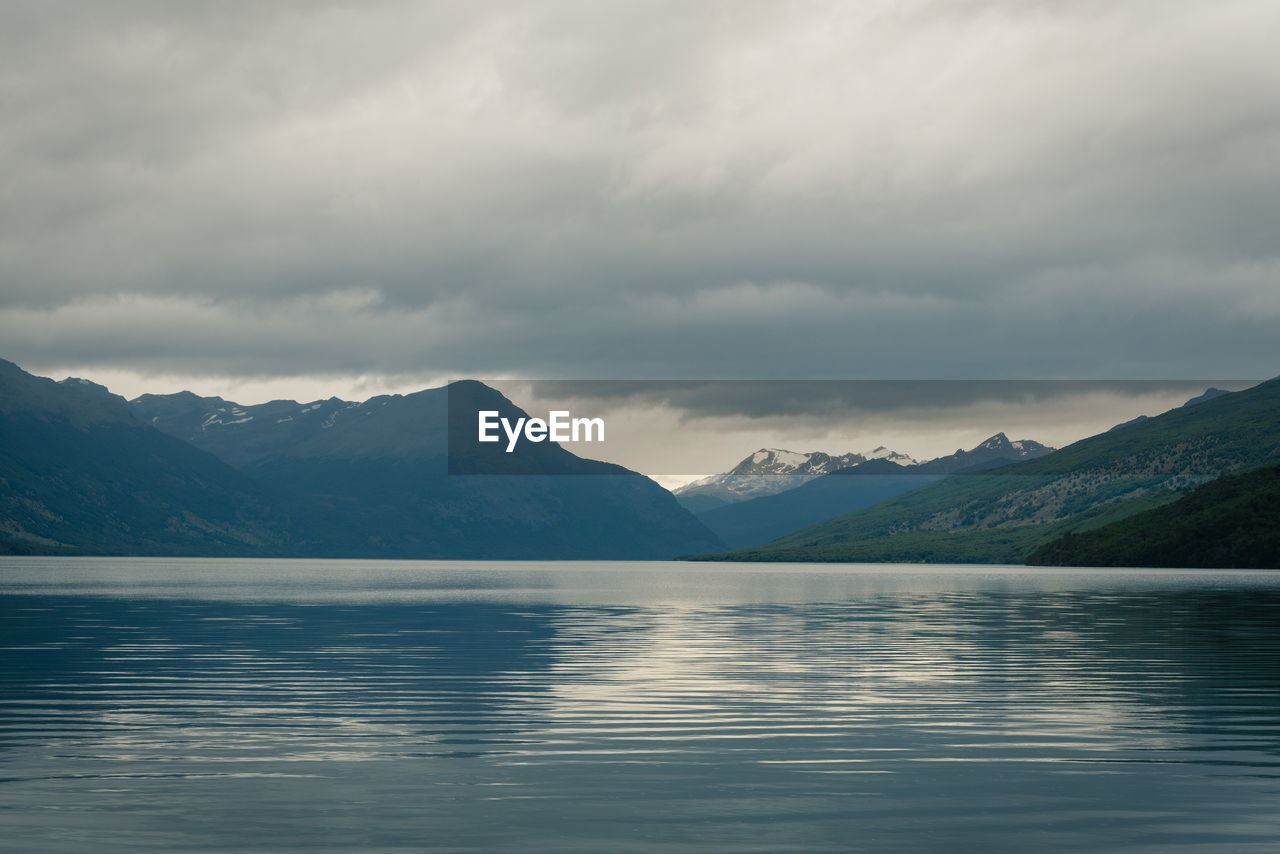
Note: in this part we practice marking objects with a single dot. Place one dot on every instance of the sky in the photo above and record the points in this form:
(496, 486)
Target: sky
(310, 199)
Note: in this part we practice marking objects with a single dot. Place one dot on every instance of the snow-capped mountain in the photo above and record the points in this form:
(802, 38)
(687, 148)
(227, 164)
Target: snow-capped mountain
(772, 470)
(883, 453)
(741, 524)
(773, 461)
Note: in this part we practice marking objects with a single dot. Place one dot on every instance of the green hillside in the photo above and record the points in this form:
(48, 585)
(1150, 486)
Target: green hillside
(1003, 515)
(1230, 522)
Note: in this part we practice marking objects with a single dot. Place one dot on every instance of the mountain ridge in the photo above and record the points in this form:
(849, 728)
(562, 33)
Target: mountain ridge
(768, 471)
(1002, 515)
(758, 520)
(82, 471)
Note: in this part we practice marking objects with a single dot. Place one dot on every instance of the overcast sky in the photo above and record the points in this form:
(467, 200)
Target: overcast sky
(276, 199)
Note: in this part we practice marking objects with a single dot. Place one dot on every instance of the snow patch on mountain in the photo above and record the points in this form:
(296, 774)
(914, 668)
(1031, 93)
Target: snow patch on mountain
(772, 470)
(883, 453)
(769, 471)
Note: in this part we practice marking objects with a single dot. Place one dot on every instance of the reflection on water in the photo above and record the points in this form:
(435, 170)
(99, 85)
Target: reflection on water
(334, 706)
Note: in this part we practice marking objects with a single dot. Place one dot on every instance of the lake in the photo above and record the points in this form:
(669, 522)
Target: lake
(379, 706)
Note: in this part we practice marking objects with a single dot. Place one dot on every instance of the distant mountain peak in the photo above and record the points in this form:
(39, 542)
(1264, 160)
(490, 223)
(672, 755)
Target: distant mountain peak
(81, 401)
(776, 461)
(994, 451)
(769, 471)
(80, 382)
(998, 442)
(883, 453)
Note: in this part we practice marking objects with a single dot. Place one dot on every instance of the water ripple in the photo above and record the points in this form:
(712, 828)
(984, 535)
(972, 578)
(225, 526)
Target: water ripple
(468, 710)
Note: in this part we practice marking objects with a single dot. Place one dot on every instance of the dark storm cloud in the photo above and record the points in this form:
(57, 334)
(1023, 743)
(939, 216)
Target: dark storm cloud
(920, 190)
(921, 400)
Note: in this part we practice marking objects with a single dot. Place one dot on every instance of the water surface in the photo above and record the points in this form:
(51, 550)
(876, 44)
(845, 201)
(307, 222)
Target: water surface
(211, 705)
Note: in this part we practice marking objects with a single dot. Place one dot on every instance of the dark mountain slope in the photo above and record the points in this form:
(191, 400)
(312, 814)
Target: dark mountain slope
(376, 476)
(760, 520)
(79, 474)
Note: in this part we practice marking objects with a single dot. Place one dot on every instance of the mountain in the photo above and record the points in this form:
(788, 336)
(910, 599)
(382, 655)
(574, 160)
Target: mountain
(991, 453)
(759, 520)
(84, 472)
(1135, 420)
(79, 474)
(1233, 521)
(242, 434)
(769, 471)
(1209, 394)
(1002, 515)
(394, 476)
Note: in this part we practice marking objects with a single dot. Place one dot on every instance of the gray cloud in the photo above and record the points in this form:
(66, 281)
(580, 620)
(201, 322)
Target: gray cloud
(819, 400)
(927, 190)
